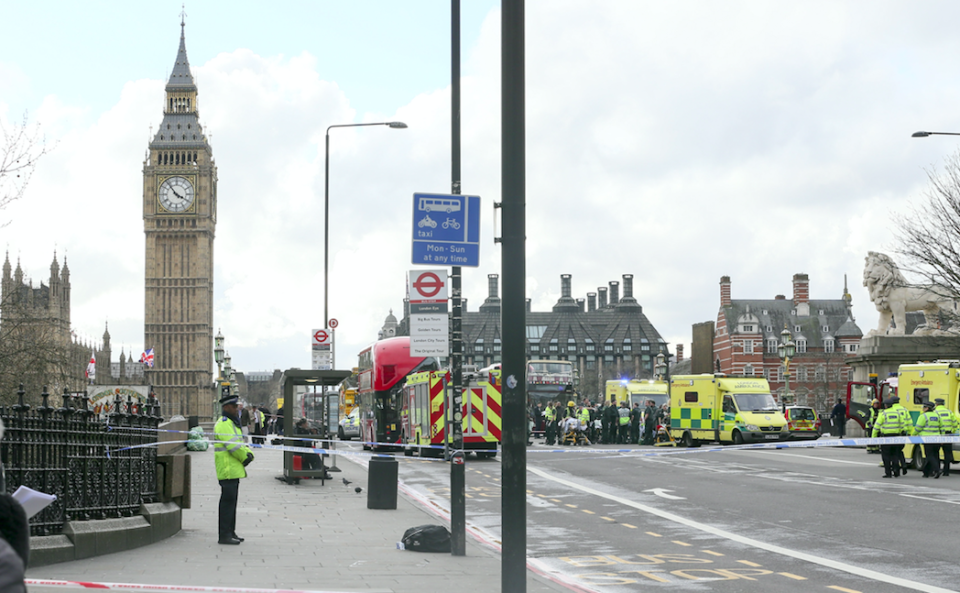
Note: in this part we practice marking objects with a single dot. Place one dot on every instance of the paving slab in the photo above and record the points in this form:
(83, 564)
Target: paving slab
(307, 536)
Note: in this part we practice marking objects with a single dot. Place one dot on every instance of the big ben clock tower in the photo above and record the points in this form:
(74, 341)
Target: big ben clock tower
(179, 220)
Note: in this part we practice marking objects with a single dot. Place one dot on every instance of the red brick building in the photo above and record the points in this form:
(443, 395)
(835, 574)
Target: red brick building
(748, 333)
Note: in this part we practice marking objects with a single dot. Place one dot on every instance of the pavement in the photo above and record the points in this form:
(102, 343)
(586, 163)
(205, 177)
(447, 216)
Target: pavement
(306, 537)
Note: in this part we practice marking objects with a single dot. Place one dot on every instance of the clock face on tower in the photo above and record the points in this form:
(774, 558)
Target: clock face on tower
(175, 194)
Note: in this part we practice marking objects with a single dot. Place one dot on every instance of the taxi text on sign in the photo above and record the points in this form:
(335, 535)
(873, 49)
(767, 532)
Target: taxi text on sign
(429, 321)
(446, 230)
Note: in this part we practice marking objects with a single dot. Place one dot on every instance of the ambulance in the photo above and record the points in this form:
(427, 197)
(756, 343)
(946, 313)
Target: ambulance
(715, 408)
(423, 413)
(637, 391)
(927, 381)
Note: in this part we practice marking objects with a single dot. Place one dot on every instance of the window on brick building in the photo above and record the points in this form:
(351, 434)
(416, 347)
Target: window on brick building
(748, 346)
(775, 374)
(801, 346)
(747, 329)
(820, 373)
(772, 344)
(828, 345)
(748, 370)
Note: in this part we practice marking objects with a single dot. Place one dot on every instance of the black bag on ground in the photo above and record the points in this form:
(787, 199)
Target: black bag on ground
(427, 538)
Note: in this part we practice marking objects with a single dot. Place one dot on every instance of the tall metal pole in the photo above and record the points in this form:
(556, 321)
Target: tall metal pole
(513, 314)
(458, 502)
(326, 231)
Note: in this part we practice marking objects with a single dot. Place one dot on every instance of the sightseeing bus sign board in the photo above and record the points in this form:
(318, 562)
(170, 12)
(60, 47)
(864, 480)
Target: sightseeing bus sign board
(446, 230)
(429, 321)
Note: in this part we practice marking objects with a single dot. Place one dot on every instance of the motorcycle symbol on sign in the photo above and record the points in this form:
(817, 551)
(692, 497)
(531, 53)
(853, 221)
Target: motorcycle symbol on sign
(427, 221)
(450, 223)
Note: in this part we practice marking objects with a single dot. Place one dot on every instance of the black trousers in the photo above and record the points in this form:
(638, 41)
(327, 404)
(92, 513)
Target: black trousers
(898, 450)
(947, 449)
(891, 463)
(229, 491)
(932, 452)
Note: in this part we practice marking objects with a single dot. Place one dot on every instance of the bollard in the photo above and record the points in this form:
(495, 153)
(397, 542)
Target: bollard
(382, 483)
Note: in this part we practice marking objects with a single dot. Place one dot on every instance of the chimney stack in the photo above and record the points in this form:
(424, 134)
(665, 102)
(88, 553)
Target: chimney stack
(493, 285)
(724, 291)
(801, 289)
(591, 301)
(526, 303)
(614, 292)
(679, 352)
(602, 292)
(628, 286)
(581, 304)
(565, 286)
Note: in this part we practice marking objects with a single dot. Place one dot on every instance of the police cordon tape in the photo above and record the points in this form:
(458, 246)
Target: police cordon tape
(147, 587)
(819, 443)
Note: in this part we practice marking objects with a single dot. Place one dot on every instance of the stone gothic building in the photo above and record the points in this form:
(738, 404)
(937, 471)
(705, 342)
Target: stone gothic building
(35, 332)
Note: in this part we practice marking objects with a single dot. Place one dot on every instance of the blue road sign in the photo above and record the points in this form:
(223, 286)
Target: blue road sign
(446, 230)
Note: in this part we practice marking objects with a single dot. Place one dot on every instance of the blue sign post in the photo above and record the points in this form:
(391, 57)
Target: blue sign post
(446, 230)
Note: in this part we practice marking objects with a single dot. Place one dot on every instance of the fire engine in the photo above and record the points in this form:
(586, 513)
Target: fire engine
(424, 428)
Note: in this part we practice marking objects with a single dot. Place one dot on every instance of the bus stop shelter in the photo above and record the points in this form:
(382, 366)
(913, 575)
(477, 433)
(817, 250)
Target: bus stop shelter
(305, 397)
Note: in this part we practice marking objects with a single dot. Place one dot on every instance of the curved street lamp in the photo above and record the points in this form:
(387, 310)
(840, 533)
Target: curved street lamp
(397, 125)
(925, 134)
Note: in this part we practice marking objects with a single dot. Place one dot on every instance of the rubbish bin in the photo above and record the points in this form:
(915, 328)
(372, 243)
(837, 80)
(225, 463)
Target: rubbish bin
(382, 482)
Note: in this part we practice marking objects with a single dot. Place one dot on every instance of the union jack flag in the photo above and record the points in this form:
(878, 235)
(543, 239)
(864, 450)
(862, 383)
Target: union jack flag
(147, 358)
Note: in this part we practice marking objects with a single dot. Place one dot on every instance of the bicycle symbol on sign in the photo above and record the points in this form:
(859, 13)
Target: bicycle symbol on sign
(450, 223)
(427, 221)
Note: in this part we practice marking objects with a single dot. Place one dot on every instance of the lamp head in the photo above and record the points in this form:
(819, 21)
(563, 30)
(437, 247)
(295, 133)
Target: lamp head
(920, 134)
(397, 124)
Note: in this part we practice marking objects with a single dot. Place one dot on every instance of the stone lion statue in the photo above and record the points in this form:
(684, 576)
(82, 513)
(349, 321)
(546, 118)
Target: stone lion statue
(893, 297)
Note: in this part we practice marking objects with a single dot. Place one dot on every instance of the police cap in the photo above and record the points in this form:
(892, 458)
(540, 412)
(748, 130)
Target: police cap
(940, 400)
(229, 399)
(929, 404)
(894, 400)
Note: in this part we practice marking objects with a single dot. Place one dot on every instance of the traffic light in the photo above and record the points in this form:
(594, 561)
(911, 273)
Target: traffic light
(873, 379)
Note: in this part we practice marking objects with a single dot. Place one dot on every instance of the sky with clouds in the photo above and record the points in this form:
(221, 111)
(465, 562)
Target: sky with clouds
(678, 142)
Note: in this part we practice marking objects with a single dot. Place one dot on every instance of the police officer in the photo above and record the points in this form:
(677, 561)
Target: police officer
(231, 457)
(907, 424)
(584, 416)
(550, 416)
(928, 424)
(636, 415)
(889, 423)
(948, 425)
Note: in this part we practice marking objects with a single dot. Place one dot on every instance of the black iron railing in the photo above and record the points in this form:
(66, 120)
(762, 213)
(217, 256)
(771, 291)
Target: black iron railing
(98, 467)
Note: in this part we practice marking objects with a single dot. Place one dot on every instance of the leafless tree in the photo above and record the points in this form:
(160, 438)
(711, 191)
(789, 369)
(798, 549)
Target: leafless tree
(23, 146)
(929, 236)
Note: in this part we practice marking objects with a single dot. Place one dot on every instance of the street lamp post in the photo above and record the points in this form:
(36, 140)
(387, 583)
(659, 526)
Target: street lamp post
(326, 209)
(786, 349)
(218, 357)
(660, 368)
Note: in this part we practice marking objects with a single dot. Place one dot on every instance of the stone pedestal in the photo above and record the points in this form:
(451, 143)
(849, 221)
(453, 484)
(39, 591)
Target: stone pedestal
(883, 355)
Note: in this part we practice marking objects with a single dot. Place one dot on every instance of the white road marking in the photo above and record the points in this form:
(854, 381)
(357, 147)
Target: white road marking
(930, 499)
(779, 454)
(662, 493)
(849, 568)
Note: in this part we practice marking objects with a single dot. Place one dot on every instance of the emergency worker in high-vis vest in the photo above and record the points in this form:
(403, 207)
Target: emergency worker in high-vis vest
(889, 423)
(550, 418)
(231, 456)
(928, 425)
(948, 425)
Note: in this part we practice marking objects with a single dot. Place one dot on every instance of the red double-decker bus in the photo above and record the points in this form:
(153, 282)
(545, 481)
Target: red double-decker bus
(383, 370)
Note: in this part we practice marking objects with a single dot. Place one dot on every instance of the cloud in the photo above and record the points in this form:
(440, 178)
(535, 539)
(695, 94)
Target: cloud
(674, 142)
